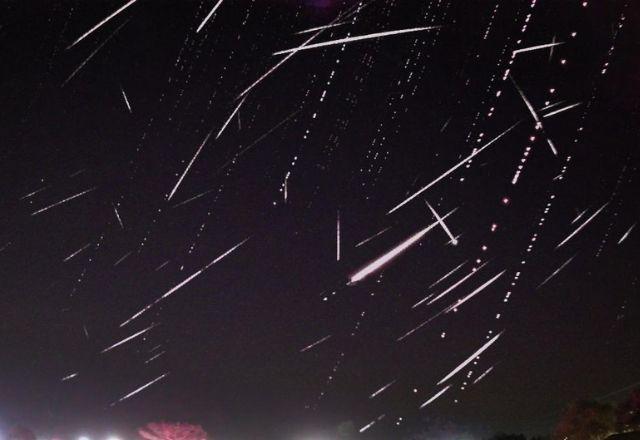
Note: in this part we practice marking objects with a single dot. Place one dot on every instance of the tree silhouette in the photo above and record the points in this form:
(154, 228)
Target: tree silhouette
(586, 420)
(20, 433)
(628, 413)
(172, 431)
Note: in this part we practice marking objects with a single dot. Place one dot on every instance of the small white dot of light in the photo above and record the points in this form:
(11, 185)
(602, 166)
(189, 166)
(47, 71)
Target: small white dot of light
(552, 90)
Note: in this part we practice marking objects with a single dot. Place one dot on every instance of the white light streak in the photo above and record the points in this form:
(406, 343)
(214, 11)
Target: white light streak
(137, 390)
(470, 358)
(69, 377)
(320, 28)
(118, 216)
(206, 19)
(126, 100)
(556, 272)
(33, 193)
(191, 199)
(579, 228)
(474, 293)
(154, 357)
(224, 254)
(380, 390)
(86, 34)
(482, 376)
(452, 169)
(367, 426)
(357, 38)
(539, 46)
(370, 424)
(560, 110)
(419, 326)
(435, 396)
(338, 236)
(231, 117)
(92, 54)
(546, 107)
(128, 338)
(310, 346)
(121, 259)
(380, 262)
(579, 216)
(277, 65)
(445, 276)
(626, 234)
(186, 170)
(526, 101)
(451, 287)
(76, 252)
(366, 240)
(161, 266)
(454, 241)
(181, 284)
(46, 208)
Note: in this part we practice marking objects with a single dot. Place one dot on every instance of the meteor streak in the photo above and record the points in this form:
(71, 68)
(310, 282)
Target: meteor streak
(310, 346)
(90, 31)
(137, 390)
(435, 396)
(452, 169)
(378, 263)
(357, 38)
(46, 208)
(470, 358)
(579, 228)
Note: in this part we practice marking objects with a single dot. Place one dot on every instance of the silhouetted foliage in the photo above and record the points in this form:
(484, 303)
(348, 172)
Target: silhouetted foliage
(172, 431)
(586, 420)
(20, 433)
(628, 413)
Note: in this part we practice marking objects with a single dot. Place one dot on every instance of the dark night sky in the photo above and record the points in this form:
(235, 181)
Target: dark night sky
(353, 129)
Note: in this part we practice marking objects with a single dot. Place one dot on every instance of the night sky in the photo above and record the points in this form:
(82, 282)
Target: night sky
(250, 208)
